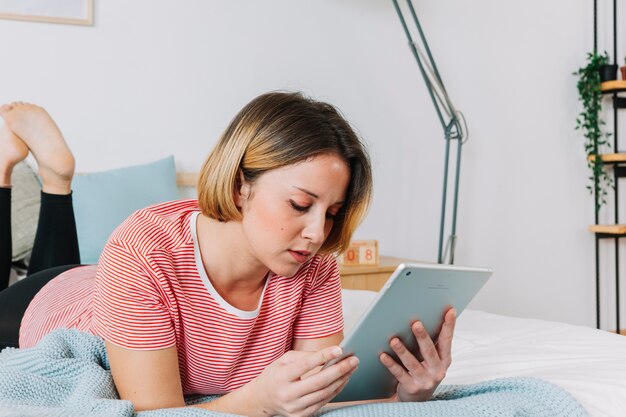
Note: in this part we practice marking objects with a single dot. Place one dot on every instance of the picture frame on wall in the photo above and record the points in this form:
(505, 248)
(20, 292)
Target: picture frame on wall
(71, 12)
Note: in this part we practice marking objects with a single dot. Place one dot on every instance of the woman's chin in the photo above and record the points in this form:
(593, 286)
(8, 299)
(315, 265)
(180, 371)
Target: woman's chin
(286, 272)
(287, 266)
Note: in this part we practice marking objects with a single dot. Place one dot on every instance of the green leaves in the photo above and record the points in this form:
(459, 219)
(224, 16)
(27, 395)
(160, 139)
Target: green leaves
(590, 123)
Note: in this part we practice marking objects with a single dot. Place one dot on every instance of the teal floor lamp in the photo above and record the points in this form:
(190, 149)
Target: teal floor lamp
(452, 121)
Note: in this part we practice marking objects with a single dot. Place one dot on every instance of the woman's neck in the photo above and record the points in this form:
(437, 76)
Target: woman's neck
(227, 259)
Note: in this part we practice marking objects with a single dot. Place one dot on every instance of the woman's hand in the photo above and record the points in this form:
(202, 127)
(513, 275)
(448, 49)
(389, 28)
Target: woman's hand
(417, 380)
(288, 387)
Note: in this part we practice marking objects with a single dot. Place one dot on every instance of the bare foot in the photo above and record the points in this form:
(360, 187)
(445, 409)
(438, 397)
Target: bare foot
(12, 150)
(33, 125)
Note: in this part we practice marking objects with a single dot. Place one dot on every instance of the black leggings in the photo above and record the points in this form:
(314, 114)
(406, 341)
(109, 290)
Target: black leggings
(55, 250)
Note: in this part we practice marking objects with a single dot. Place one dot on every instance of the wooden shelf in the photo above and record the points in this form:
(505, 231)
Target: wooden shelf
(611, 229)
(183, 179)
(614, 86)
(369, 277)
(385, 264)
(610, 157)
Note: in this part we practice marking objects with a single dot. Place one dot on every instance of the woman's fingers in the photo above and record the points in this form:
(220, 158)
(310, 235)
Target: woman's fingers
(327, 377)
(281, 388)
(299, 363)
(427, 347)
(433, 364)
(418, 380)
(407, 358)
(318, 398)
(400, 373)
(444, 344)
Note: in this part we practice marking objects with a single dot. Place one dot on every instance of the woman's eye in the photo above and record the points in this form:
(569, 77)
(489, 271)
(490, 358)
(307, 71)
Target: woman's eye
(304, 209)
(296, 207)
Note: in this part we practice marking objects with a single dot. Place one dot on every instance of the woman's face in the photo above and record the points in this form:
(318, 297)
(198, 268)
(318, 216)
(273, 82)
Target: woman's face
(288, 212)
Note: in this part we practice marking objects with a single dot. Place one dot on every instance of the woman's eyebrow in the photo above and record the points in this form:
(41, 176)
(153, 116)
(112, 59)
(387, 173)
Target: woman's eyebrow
(312, 194)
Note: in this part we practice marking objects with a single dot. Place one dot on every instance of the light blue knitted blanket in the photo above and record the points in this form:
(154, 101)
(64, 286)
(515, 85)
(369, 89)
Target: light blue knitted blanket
(67, 374)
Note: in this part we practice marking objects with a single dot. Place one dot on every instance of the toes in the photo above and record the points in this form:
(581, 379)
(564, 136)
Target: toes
(5, 108)
(24, 106)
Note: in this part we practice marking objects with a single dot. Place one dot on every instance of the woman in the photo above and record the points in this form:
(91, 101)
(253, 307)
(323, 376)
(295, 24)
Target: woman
(236, 293)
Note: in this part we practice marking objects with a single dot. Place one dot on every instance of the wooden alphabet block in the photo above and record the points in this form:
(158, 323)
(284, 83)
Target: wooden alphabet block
(360, 252)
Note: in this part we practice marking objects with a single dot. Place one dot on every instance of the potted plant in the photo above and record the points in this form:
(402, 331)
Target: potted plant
(590, 123)
(608, 72)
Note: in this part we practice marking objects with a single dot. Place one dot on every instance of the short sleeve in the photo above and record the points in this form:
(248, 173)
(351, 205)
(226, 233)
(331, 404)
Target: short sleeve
(130, 309)
(321, 314)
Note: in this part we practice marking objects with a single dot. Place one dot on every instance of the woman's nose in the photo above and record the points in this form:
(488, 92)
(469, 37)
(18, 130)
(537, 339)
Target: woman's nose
(314, 230)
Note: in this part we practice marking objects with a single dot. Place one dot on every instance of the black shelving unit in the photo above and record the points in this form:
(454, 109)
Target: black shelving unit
(616, 162)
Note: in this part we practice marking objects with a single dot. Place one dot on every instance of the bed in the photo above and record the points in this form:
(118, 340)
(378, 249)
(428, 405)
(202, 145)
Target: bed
(498, 362)
(590, 364)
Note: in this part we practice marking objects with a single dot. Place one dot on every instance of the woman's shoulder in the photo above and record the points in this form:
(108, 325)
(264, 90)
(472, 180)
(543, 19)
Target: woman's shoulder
(161, 224)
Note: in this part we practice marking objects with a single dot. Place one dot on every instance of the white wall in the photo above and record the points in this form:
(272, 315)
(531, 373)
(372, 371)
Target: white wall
(153, 78)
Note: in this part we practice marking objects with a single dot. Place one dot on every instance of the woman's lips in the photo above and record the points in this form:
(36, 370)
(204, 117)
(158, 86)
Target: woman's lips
(300, 256)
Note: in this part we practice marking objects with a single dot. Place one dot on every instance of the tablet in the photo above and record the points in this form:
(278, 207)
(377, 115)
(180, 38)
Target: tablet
(414, 292)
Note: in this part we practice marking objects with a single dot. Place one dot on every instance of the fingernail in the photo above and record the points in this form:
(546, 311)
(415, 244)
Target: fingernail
(354, 361)
(337, 351)
(419, 326)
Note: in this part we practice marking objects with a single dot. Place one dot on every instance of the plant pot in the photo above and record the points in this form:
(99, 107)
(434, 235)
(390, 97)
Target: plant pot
(608, 72)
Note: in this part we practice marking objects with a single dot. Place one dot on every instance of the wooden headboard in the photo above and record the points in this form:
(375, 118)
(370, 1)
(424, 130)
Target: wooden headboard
(186, 179)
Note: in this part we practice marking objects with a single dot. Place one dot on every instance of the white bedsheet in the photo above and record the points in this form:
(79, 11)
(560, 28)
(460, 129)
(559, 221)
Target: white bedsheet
(590, 364)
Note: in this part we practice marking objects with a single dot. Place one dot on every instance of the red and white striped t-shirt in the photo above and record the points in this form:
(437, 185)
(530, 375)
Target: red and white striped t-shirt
(151, 291)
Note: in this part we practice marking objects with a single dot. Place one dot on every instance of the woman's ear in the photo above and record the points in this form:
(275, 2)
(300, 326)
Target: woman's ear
(242, 190)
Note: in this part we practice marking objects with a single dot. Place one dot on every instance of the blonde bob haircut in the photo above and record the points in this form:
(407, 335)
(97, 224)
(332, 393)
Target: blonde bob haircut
(279, 129)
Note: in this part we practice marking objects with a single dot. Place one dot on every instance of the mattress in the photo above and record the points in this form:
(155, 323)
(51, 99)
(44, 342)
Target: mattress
(590, 364)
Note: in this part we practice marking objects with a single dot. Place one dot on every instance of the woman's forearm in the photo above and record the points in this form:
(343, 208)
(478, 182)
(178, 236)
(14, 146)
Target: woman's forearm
(239, 401)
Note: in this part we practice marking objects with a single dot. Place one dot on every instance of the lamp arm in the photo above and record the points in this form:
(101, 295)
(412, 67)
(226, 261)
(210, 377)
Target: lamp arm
(453, 124)
(429, 72)
(416, 55)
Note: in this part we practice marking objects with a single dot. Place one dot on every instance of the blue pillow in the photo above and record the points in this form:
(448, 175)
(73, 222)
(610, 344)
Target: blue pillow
(103, 200)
